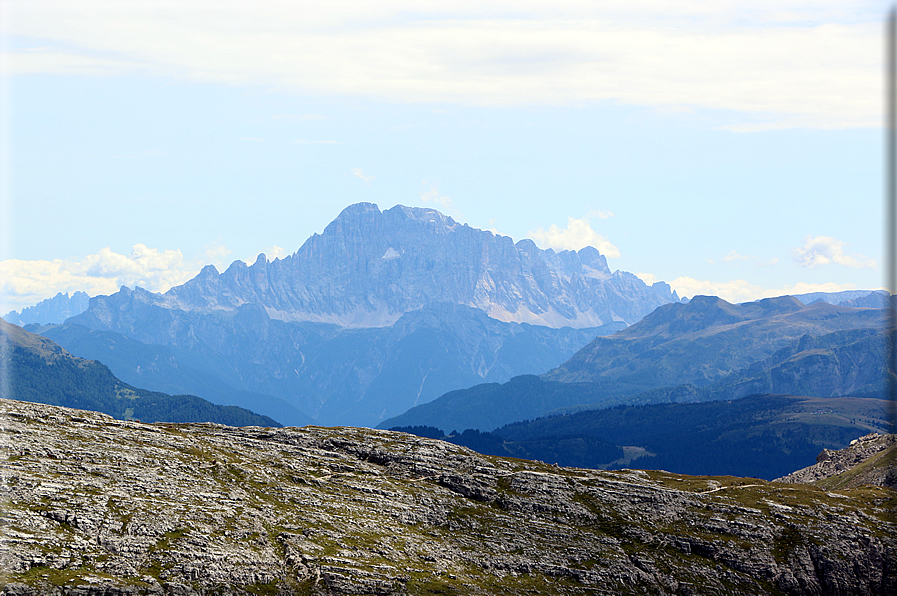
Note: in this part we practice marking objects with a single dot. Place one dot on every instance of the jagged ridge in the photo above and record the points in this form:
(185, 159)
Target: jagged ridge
(369, 267)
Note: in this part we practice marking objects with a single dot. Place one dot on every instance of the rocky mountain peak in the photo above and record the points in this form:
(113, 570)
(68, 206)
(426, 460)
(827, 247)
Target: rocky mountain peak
(52, 310)
(368, 267)
(208, 272)
(356, 211)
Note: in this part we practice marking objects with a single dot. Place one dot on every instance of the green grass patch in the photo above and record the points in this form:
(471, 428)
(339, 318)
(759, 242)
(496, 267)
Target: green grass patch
(39, 576)
(882, 459)
(271, 588)
(785, 543)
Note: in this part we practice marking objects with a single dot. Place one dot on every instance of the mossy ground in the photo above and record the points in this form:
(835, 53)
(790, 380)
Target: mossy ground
(193, 482)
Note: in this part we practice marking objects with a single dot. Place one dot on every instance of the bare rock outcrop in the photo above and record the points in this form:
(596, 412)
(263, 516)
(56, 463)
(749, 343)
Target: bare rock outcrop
(871, 459)
(95, 506)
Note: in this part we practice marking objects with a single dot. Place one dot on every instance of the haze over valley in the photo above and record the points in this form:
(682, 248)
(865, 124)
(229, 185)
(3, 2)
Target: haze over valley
(407, 319)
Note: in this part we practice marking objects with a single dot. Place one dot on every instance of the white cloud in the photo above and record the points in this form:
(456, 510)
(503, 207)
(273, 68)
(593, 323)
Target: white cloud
(578, 234)
(825, 250)
(739, 290)
(359, 174)
(25, 283)
(433, 196)
(215, 254)
(442, 202)
(737, 259)
(734, 256)
(599, 214)
(675, 55)
(648, 278)
(275, 252)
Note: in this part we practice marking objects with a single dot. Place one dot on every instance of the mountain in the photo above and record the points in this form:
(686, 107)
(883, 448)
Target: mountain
(870, 460)
(708, 339)
(839, 298)
(38, 370)
(167, 369)
(134, 508)
(761, 436)
(368, 268)
(52, 310)
(340, 376)
(878, 299)
(706, 349)
(381, 312)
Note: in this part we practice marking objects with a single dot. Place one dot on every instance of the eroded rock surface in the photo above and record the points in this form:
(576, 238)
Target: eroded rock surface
(94, 505)
(871, 459)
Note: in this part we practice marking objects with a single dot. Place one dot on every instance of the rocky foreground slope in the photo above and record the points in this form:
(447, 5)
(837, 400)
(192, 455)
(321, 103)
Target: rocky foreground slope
(94, 505)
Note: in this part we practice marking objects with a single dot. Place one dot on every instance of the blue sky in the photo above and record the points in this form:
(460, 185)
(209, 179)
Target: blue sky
(733, 149)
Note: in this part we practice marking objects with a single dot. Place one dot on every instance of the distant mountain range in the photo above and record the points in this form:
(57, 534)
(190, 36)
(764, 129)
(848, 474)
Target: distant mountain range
(62, 306)
(858, 298)
(368, 268)
(52, 310)
(339, 376)
(707, 349)
(38, 370)
(380, 312)
(388, 310)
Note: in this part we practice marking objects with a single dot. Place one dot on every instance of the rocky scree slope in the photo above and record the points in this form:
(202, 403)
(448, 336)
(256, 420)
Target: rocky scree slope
(871, 460)
(94, 505)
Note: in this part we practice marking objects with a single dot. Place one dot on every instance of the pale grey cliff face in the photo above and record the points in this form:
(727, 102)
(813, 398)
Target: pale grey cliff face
(369, 267)
(96, 506)
(50, 311)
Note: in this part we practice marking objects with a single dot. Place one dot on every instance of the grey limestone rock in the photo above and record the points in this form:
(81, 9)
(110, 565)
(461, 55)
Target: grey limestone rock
(100, 507)
(867, 460)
